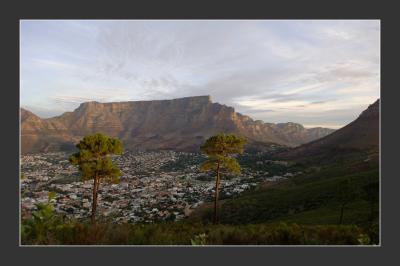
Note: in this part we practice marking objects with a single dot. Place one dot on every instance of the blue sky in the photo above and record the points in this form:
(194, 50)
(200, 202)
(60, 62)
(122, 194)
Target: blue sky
(314, 72)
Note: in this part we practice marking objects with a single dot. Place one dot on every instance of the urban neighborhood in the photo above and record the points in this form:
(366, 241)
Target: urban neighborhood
(154, 186)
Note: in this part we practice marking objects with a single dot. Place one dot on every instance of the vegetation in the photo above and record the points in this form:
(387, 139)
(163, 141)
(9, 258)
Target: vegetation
(346, 194)
(265, 162)
(200, 239)
(304, 201)
(219, 148)
(45, 228)
(42, 223)
(95, 163)
(333, 203)
(371, 195)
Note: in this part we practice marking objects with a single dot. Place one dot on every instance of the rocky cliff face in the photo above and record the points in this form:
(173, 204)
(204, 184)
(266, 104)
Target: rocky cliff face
(180, 124)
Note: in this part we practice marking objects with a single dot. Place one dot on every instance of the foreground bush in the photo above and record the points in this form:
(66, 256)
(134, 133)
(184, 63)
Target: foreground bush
(181, 233)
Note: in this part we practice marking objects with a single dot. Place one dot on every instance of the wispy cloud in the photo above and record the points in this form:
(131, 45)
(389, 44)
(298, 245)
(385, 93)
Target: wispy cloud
(276, 71)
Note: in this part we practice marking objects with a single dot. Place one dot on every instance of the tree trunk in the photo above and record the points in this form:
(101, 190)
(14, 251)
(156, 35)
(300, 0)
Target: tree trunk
(341, 214)
(94, 198)
(216, 197)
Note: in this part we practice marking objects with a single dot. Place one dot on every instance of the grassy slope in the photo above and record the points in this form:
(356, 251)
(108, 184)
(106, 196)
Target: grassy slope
(309, 199)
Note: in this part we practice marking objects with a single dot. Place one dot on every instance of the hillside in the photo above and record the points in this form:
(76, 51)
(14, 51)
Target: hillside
(313, 196)
(305, 202)
(178, 124)
(360, 136)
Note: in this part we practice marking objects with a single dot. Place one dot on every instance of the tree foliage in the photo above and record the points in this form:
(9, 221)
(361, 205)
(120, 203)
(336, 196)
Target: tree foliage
(219, 148)
(43, 221)
(93, 159)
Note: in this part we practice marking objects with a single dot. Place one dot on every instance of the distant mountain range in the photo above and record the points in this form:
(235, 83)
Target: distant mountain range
(361, 135)
(178, 124)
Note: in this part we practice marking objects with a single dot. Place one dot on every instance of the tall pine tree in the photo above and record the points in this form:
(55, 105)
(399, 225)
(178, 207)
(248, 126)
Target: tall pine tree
(219, 149)
(93, 159)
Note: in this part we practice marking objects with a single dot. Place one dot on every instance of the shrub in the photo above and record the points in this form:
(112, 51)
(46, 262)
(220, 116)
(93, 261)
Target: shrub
(47, 228)
(200, 239)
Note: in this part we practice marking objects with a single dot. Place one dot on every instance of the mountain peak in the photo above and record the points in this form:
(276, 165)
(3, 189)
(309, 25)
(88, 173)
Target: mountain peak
(372, 110)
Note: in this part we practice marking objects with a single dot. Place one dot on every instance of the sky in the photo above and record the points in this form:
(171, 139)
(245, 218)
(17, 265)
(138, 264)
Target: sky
(313, 72)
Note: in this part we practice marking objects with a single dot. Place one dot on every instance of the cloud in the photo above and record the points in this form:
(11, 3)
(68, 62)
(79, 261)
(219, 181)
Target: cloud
(274, 70)
(319, 102)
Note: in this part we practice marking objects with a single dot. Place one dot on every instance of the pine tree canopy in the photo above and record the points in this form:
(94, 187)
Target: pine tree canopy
(93, 157)
(218, 148)
(223, 144)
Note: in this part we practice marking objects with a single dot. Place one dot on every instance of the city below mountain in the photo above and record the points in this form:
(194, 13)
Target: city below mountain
(178, 124)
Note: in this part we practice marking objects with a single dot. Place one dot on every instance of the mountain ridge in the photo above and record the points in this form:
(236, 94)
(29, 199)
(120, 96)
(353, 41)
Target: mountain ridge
(180, 124)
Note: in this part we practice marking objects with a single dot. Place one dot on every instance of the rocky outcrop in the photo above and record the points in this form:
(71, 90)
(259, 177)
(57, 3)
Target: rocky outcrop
(179, 124)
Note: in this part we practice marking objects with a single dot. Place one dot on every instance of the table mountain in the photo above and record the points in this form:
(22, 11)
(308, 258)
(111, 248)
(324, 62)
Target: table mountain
(179, 124)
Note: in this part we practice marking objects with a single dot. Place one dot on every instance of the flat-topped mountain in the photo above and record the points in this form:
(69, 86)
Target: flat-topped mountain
(361, 135)
(179, 124)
